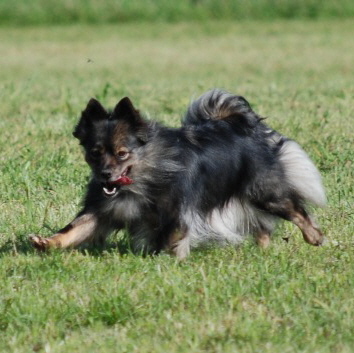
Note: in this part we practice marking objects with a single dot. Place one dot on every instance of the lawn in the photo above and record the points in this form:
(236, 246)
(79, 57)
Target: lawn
(289, 298)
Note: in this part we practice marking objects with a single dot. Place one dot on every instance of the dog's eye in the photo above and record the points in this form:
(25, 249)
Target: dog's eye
(95, 153)
(123, 154)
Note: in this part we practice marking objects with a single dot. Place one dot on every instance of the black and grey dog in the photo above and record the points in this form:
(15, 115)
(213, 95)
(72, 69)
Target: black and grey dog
(222, 175)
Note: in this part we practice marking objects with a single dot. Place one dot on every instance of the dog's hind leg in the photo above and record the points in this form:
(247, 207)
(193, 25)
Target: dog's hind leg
(310, 231)
(262, 238)
(83, 228)
(293, 211)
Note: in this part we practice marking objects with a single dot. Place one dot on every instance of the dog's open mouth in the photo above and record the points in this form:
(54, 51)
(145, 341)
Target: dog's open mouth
(111, 188)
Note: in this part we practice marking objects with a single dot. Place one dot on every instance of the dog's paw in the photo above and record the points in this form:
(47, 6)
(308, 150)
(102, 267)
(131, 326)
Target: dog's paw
(39, 243)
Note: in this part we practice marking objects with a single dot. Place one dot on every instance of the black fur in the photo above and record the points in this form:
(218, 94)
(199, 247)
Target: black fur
(221, 175)
(213, 161)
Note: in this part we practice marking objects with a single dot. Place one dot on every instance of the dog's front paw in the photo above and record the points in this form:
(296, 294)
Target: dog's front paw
(40, 243)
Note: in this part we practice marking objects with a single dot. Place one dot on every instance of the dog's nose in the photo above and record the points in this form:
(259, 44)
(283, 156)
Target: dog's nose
(106, 174)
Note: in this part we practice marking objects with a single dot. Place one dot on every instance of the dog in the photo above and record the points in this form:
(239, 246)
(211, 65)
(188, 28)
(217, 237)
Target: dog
(220, 176)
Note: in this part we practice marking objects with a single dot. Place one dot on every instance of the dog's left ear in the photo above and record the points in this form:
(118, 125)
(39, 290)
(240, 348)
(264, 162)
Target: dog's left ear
(125, 110)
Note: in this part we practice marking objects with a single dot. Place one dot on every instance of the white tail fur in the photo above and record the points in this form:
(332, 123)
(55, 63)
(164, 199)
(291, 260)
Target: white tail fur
(302, 173)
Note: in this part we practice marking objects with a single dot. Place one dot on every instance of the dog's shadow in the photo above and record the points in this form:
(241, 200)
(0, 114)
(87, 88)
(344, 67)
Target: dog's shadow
(23, 246)
(120, 247)
(18, 246)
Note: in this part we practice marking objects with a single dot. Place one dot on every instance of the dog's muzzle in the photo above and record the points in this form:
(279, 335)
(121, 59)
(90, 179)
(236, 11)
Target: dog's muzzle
(111, 188)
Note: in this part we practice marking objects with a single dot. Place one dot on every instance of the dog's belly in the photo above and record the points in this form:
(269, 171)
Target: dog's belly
(227, 225)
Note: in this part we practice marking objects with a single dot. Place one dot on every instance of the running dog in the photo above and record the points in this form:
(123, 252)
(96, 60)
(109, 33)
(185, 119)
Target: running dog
(222, 175)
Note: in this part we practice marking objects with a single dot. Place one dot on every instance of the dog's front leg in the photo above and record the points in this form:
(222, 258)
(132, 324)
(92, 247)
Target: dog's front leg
(179, 244)
(83, 228)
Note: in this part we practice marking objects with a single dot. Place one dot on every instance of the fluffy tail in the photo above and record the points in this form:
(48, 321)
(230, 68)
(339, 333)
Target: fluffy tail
(217, 105)
(301, 173)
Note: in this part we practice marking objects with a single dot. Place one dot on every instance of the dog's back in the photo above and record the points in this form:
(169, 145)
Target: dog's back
(221, 176)
(271, 177)
(300, 171)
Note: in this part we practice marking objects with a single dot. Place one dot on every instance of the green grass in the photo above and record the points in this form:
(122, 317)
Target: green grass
(290, 298)
(35, 12)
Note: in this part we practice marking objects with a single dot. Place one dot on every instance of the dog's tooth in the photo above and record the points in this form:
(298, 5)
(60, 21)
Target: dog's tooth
(109, 192)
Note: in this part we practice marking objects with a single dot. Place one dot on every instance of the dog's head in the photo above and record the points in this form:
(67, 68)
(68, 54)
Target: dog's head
(111, 142)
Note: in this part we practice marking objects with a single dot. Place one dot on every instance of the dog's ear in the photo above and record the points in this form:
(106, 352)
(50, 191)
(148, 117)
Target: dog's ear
(94, 111)
(125, 110)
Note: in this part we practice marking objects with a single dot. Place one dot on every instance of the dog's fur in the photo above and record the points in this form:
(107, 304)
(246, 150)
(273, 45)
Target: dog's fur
(222, 175)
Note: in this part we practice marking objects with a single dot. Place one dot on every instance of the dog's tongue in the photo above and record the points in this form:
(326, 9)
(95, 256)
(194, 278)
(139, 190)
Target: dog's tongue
(123, 180)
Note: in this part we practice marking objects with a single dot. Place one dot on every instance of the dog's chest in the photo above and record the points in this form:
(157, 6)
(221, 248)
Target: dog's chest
(124, 207)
